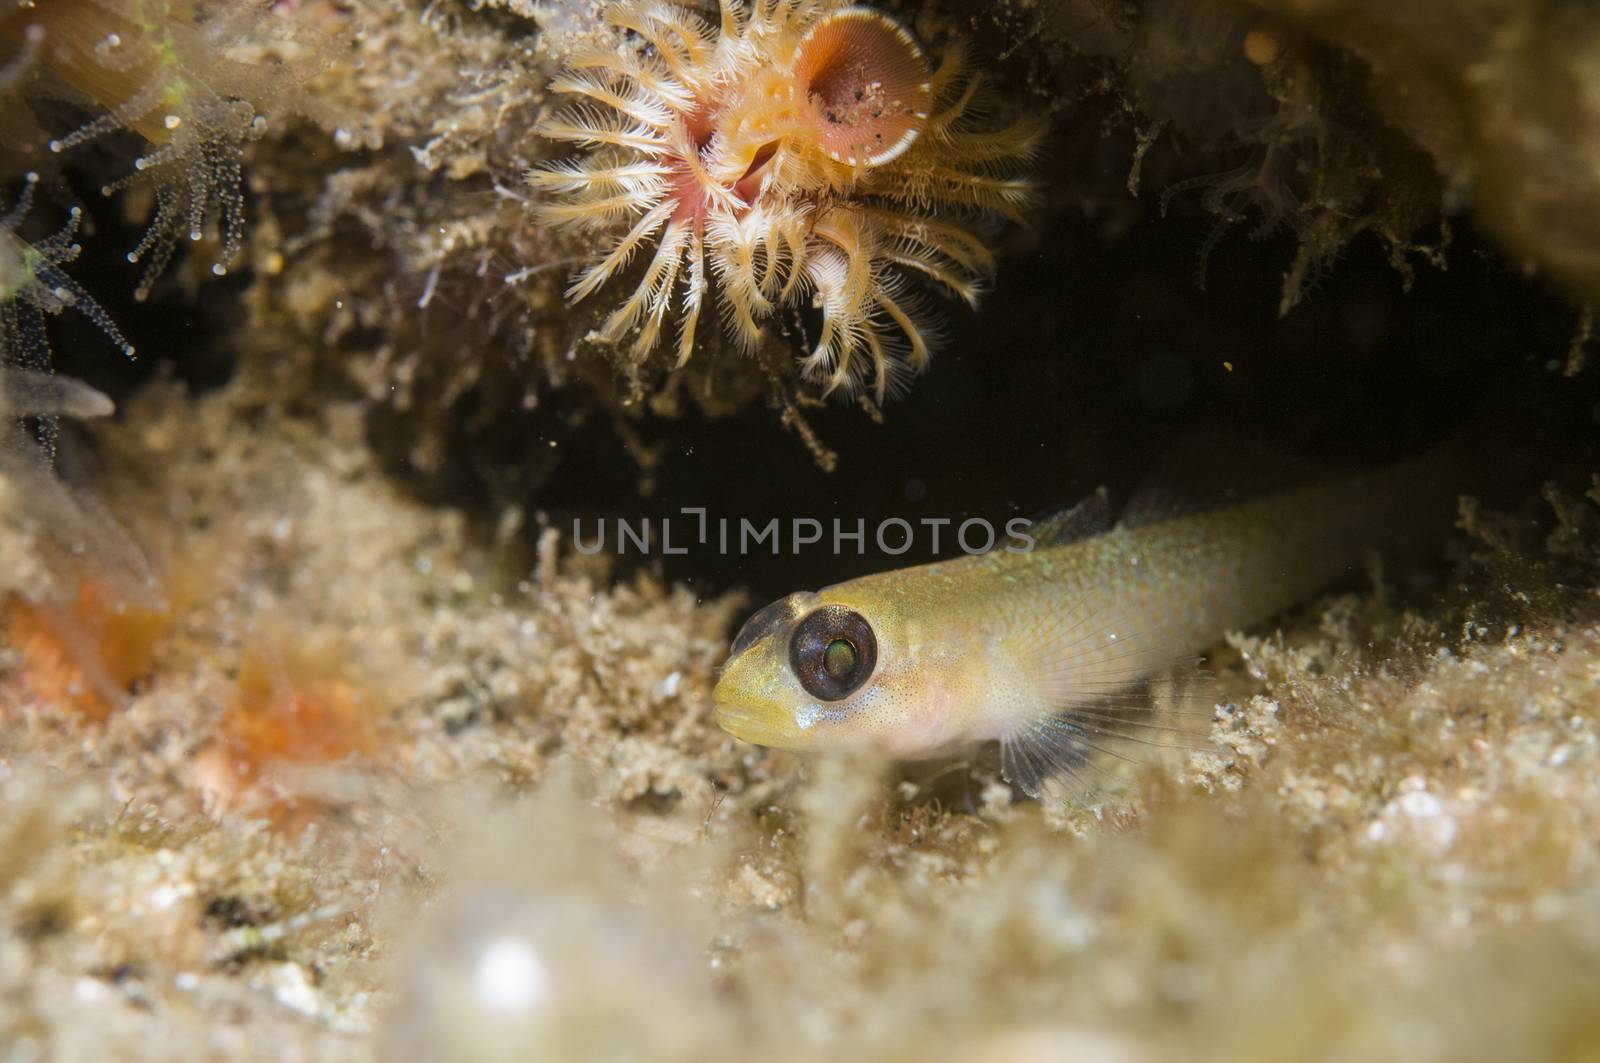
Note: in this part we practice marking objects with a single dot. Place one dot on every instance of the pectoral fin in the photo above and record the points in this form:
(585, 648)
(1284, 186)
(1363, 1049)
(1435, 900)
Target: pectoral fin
(1080, 746)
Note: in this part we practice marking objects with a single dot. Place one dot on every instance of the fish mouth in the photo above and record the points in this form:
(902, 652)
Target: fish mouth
(755, 727)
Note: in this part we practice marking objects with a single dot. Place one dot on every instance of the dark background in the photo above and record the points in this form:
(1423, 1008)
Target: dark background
(1094, 355)
(1092, 360)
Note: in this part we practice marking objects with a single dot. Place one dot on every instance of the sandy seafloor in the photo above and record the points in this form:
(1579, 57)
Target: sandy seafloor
(530, 840)
(375, 770)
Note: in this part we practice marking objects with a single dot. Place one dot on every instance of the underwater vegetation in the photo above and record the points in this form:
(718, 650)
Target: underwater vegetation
(1230, 85)
(799, 153)
(1498, 98)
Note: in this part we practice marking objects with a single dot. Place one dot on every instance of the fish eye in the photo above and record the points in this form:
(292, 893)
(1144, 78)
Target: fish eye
(840, 658)
(833, 652)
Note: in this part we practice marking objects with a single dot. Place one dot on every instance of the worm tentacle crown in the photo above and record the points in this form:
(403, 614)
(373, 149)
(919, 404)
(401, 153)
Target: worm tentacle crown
(801, 153)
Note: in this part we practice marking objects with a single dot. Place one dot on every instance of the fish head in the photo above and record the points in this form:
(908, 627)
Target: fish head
(821, 671)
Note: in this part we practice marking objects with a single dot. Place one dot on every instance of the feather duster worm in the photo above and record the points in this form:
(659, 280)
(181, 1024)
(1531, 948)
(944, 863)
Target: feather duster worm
(802, 153)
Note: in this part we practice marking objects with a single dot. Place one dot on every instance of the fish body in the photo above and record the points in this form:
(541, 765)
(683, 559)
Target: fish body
(1040, 649)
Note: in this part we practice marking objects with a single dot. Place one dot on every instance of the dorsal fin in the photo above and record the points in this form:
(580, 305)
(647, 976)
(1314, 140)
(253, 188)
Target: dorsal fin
(1088, 518)
(1205, 473)
(1201, 475)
